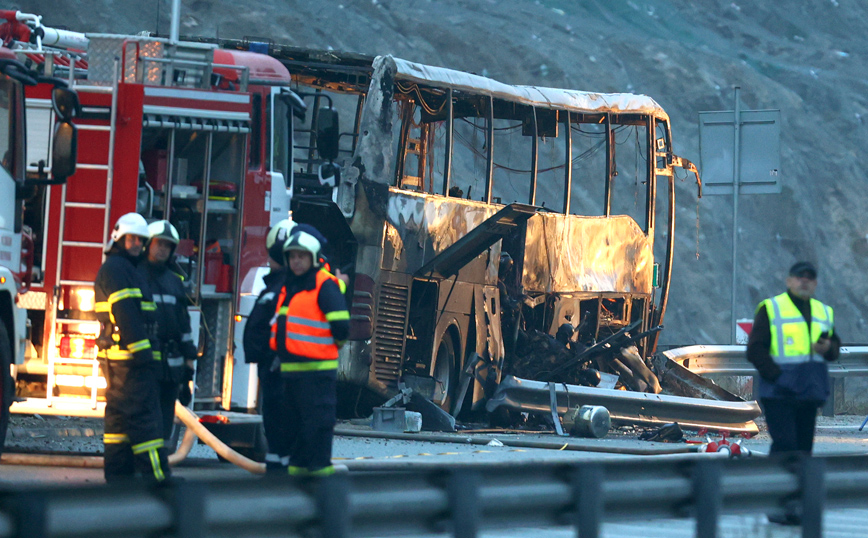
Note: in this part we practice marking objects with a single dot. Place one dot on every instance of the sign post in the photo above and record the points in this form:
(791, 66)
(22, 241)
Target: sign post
(740, 153)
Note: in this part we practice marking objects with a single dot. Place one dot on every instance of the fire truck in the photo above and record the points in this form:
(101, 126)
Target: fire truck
(173, 130)
(16, 181)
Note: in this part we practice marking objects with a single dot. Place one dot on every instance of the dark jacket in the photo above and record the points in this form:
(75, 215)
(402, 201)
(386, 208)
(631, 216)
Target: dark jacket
(173, 319)
(257, 330)
(125, 309)
(804, 381)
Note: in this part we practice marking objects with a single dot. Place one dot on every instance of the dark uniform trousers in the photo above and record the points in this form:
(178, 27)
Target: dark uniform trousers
(310, 406)
(132, 422)
(791, 424)
(271, 401)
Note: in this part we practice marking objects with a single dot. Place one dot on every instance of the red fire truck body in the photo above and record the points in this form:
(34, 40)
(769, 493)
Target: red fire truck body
(172, 130)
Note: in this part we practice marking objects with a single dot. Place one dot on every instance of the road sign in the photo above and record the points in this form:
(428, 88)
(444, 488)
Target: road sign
(740, 153)
(759, 152)
(742, 330)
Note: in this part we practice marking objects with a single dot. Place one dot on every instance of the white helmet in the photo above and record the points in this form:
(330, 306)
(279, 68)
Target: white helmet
(305, 242)
(276, 237)
(163, 229)
(129, 224)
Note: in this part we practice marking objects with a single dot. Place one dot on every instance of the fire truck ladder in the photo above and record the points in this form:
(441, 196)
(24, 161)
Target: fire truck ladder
(54, 357)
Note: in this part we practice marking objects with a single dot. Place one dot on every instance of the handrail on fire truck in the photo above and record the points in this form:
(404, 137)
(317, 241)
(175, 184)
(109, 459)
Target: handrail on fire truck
(172, 62)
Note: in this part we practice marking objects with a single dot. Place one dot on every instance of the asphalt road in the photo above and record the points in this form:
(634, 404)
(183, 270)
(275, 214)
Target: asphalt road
(838, 435)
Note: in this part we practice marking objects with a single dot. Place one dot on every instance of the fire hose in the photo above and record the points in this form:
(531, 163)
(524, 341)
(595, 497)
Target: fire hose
(195, 428)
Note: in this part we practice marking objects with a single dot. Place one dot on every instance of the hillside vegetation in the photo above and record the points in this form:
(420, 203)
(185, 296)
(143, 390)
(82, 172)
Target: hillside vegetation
(807, 59)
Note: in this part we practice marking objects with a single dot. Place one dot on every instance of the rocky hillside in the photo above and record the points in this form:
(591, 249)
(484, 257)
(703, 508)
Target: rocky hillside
(807, 59)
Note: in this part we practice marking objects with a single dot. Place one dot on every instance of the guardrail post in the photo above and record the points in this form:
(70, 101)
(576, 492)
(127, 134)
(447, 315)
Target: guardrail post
(333, 505)
(28, 513)
(187, 500)
(707, 497)
(813, 483)
(463, 491)
(588, 502)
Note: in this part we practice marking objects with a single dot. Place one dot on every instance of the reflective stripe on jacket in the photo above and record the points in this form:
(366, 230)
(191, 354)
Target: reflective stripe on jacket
(791, 336)
(125, 310)
(308, 333)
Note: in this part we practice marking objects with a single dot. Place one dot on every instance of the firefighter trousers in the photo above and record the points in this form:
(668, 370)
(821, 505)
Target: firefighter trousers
(169, 390)
(309, 408)
(133, 427)
(170, 387)
(271, 385)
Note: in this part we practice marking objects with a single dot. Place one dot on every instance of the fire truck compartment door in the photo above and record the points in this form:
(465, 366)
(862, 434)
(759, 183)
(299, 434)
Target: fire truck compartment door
(491, 230)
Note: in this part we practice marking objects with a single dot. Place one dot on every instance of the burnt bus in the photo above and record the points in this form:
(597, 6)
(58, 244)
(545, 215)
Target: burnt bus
(477, 218)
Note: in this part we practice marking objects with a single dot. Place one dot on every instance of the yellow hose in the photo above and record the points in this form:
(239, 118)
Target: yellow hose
(183, 450)
(192, 422)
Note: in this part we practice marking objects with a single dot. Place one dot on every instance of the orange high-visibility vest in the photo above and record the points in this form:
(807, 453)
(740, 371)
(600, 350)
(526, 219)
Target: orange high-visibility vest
(308, 333)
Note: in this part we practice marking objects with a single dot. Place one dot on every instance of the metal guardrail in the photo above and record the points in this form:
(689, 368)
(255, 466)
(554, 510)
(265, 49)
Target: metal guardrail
(626, 406)
(731, 360)
(458, 502)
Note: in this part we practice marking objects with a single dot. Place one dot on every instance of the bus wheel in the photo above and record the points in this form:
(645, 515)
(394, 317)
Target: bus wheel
(445, 379)
(6, 391)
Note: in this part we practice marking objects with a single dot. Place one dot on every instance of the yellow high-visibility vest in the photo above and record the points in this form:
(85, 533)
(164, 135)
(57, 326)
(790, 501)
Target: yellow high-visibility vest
(791, 336)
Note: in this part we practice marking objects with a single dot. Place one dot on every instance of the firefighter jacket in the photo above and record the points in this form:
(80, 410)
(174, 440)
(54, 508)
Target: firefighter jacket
(310, 323)
(125, 310)
(257, 330)
(173, 319)
(780, 347)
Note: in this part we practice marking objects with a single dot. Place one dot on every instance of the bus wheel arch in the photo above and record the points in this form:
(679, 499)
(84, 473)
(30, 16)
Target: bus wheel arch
(445, 366)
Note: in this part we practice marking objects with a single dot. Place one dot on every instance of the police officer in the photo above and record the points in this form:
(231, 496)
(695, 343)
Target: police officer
(311, 323)
(257, 332)
(128, 352)
(792, 338)
(173, 328)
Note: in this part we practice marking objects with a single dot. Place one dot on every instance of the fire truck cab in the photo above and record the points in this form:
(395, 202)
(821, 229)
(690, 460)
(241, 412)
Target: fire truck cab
(172, 130)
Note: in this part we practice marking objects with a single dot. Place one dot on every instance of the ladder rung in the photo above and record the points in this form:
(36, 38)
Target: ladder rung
(87, 244)
(93, 127)
(92, 166)
(76, 283)
(86, 205)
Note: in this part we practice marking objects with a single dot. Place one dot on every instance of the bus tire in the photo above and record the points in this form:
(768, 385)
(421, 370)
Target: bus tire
(445, 372)
(6, 388)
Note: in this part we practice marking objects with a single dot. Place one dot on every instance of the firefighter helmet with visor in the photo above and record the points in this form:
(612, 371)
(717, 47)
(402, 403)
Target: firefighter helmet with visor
(163, 229)
(129, 224)
(277, 236)
(303, 241)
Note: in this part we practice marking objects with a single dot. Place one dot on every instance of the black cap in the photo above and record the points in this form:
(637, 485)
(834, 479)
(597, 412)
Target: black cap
(804, 269)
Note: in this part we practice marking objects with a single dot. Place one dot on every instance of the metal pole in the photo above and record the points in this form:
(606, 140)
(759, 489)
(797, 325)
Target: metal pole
(176, 22)
(447, 162)
(736, 180)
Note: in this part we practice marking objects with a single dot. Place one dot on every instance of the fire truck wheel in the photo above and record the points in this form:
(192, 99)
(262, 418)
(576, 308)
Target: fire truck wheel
(6, 391)
(445, 373)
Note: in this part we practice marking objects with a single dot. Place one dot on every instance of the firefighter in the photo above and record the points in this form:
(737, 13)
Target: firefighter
(792, 338)
(310, 324)
(130, 357)
(257, 332)
(173, 327)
